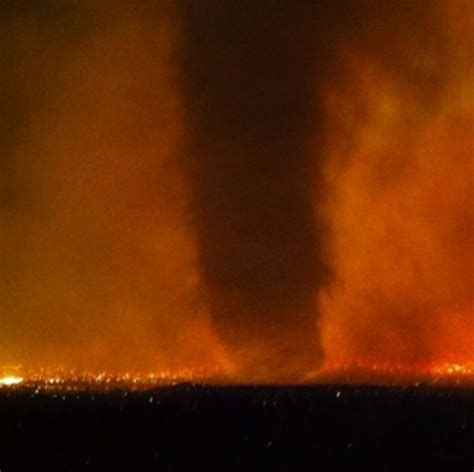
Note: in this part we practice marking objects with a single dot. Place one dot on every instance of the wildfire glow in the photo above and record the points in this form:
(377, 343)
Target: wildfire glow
(126, 262)
(11, 380)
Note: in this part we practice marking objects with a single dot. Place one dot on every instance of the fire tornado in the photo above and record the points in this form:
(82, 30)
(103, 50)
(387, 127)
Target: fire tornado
(248, 75)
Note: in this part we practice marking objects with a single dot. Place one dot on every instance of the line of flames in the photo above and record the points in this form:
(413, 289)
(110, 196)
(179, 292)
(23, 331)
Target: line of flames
(71, 380)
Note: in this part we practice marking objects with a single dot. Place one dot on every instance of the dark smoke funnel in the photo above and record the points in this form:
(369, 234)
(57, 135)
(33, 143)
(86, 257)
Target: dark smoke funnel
(249, 75)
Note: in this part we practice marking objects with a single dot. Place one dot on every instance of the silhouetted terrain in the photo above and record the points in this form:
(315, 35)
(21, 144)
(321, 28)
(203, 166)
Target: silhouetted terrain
(199, 428)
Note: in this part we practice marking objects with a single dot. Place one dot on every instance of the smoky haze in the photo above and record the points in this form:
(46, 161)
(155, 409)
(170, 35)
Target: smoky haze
(97, 258)
(262, 189)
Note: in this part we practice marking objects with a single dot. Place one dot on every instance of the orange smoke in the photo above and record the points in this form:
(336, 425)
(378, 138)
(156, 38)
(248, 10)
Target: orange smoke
(401, 207)
(106, 241)
(99, 258)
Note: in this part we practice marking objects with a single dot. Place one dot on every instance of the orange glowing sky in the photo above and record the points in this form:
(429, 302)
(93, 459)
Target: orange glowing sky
(251, 193)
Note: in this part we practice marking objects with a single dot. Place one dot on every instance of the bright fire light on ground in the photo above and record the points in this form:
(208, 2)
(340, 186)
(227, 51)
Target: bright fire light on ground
(53, 380)
(11, 380)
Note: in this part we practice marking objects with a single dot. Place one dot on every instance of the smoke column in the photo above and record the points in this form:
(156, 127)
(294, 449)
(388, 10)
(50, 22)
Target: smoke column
(248, 73)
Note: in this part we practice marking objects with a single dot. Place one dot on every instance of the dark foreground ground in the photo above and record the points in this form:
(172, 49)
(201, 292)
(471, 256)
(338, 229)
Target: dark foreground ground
(238, 429)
